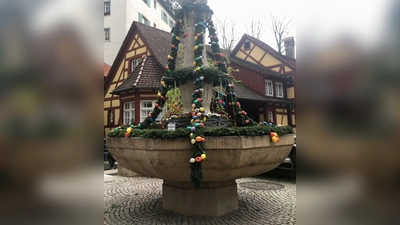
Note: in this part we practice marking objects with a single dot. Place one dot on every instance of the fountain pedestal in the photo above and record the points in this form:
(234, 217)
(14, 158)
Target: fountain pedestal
(214, 199)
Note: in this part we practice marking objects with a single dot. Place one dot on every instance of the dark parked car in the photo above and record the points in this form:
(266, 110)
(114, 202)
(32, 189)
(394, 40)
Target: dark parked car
(108, 159)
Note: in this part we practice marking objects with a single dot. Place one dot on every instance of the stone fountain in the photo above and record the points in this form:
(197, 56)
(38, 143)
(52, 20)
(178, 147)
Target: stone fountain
(228, 157)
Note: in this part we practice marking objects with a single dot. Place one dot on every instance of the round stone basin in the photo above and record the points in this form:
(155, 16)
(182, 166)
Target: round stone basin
(228, 158)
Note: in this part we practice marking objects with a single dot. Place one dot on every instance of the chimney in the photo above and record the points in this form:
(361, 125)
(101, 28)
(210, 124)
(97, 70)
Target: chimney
(289, 46)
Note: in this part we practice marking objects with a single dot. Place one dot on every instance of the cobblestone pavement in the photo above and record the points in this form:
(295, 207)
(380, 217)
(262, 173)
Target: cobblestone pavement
(138, 200)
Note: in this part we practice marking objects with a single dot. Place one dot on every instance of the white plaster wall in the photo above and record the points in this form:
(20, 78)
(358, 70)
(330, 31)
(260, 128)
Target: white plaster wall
(116, 22)
(123, 13)
(154, 15)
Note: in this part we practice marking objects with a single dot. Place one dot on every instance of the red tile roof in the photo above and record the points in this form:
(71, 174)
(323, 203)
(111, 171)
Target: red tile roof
(106, 69)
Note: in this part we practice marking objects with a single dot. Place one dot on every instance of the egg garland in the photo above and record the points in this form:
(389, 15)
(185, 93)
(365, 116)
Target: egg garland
(274, 137)
(198, 111)
(170, 67)
(230, 95)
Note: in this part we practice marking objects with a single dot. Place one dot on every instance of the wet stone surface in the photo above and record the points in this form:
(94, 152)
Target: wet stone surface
(138, 200)
(261, 185)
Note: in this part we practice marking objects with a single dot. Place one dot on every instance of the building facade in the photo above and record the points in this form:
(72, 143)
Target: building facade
(118, 18)
(269, 74)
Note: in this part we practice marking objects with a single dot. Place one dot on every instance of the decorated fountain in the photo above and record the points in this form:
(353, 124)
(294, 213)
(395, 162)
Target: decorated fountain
(199, 164)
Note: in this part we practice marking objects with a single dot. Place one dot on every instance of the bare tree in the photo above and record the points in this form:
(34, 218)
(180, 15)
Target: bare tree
(256, 27)
(280, 27)
(226, 30)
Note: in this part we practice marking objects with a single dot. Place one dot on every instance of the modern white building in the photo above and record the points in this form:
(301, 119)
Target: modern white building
(118, 18)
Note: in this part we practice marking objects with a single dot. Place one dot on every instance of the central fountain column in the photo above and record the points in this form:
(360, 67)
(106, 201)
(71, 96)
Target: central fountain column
(188, 88)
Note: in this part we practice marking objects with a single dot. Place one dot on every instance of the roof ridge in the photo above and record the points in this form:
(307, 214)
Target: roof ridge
(143, 61)
(147, 26)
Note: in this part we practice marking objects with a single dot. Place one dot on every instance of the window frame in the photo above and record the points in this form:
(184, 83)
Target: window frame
(111, 117)
(143, 19)
(164, 16)
(279, 92)
(107, 30)
(270, 116)
(148, 3)
(131, 110)
(145, 109)
(171, 23)
(137, 60)
(109, 7)
(291, 79)
(266, 87)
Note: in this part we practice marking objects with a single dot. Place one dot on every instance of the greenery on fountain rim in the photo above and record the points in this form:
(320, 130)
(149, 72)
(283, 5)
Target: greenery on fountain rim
(260, 130)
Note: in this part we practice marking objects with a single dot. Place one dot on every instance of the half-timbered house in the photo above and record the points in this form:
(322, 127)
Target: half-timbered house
(133, 81)
(271, 78)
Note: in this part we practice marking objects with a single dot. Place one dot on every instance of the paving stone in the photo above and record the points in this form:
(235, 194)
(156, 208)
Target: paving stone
(138, 200)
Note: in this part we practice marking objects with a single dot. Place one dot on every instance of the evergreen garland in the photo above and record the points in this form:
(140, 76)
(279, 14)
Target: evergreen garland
(261, 130)
(240, 115)
(198, 113)
(170, 67)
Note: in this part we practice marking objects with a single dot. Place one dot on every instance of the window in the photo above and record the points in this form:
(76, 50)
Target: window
(247, 46)
(155, 4)
(270, 116)
(164, 16)
(129, 113)
(171, 23)
(147, 2)
(134, 63)
(111, 117)
(291, 79)
(269, 89)
(145, 108)
(106, 7)
(144, 20)
(106, 34)
(279, 89)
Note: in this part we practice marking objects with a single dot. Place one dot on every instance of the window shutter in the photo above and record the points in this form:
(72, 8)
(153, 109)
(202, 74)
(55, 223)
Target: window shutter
(140, 18)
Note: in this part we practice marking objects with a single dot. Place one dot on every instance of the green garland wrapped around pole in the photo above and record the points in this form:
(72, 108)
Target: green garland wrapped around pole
(240, 115)
(170, 67)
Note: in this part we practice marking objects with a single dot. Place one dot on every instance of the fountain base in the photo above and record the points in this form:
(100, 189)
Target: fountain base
(214, 199)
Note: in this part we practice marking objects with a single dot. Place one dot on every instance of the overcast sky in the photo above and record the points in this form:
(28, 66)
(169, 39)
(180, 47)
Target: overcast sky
(242, 13)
